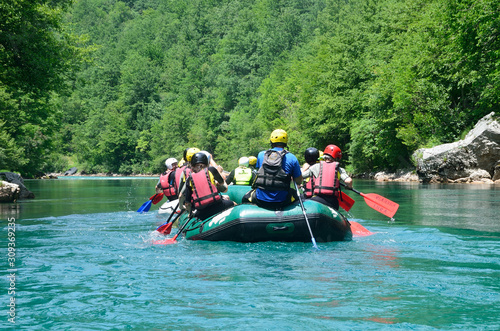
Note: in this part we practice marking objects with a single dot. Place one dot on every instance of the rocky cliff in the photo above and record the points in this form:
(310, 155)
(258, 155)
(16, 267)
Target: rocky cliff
(476, 158)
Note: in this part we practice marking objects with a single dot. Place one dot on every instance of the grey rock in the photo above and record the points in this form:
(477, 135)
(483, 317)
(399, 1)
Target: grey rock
(71, 171)
(8, 192)
(14, 178)
(475, 158)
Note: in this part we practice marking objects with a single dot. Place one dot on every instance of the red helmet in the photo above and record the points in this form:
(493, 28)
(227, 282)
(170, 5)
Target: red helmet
(334, 151)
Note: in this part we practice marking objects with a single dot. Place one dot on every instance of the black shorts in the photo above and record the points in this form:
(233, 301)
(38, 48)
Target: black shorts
(250, 197)
(329, 200)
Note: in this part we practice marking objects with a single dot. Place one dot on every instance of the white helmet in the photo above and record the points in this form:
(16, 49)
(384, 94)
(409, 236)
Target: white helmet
(243, 161)
(209, 156)
(170, 163)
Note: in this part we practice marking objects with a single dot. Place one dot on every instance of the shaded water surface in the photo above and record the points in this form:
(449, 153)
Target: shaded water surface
(85, 261)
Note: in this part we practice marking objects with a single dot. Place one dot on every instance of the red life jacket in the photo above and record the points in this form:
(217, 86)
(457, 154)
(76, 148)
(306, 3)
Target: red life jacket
(309, 187)
(204, 192)
(328, 181)
(178, 175)
(168, 189)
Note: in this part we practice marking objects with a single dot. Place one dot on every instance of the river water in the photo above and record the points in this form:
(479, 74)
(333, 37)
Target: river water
(84, 261)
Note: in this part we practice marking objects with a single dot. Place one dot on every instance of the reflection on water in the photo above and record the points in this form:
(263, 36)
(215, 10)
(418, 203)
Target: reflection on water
(464, 206)
(79, 195)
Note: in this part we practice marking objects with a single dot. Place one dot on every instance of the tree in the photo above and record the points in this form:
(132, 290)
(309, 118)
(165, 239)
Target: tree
(36, 58)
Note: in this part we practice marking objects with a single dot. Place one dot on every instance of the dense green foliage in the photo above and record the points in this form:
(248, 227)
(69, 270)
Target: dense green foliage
(37, 58)
(378, 78)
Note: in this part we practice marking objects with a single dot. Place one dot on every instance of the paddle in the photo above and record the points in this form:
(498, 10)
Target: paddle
(345, 201)
(147, 205)
(173, 240)
(305, 216)
(379, 203)
(359, 230)
(166, 227)
(157, 198)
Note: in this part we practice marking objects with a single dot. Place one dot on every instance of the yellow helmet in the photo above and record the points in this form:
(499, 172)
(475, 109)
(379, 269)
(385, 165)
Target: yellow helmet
(190, 152)
(252, 160)
(279, 136)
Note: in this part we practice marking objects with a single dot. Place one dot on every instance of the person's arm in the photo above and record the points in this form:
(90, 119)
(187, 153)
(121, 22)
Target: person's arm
(296, 171)
(158, 188)
(220, 183)
(171, 178)
(260, 159)
(214, 164)
(230, 178)
(306, 173)
(185, 195)
(345, 178)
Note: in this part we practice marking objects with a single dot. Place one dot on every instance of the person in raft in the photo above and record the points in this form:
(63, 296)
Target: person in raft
(166, 183)
(277, 167)
(203, 188)
(242, 175)
(312, 157)
(212, 163)
(326, 178)
(182, 172)
(252, 161)
(182, 162)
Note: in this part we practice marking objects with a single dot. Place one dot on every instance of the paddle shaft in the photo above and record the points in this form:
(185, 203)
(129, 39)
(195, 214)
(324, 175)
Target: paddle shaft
(163, 226)
(173, 212)
(182, 229)
(305, 216)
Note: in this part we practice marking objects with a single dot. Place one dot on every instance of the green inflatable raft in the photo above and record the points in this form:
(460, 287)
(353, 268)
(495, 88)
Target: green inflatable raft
(250, 223)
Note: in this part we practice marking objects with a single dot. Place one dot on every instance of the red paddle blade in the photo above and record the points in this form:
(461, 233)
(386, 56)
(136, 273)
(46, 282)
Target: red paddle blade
(359, 230)
(165, 228)
(345, 201)
(381, 204)
(168, 241)
(156, 198)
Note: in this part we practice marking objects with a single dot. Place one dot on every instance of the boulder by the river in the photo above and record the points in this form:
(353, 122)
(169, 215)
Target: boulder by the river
(14, 178)
(8, 192)
(476, 158)
(71, 171)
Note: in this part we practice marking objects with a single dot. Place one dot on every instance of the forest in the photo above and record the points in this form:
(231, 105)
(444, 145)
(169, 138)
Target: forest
(119, 86)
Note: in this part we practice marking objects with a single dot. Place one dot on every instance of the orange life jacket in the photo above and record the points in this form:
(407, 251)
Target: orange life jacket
(204, 192)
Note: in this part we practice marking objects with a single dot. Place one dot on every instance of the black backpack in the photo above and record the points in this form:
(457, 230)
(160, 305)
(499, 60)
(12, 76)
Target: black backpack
(271, 175)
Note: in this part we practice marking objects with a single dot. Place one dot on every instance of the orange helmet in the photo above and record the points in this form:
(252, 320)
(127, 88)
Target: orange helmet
(334, 151)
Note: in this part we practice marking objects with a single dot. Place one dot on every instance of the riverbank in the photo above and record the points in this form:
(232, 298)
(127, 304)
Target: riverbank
(381, 176)
(412, 176)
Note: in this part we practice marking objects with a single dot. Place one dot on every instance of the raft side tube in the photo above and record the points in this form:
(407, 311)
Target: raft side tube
(250, 223)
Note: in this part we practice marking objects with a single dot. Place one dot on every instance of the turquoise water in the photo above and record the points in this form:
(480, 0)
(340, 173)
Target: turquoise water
(84, 261)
